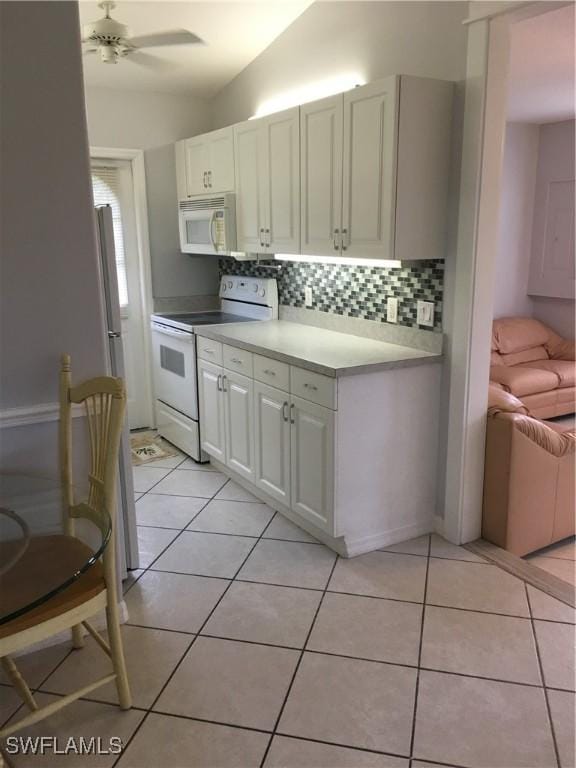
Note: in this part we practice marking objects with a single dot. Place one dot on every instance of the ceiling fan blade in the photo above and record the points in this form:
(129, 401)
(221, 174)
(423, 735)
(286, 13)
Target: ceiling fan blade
(147, 60)
(174, 37)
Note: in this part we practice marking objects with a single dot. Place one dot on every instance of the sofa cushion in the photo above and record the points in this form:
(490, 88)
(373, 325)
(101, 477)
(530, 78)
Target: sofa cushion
(514, 334)
(564, 369)
(522, 380)
(525, 356)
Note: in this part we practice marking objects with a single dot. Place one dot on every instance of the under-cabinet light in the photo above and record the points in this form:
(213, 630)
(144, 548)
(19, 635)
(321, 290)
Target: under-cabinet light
(310, 92)
(337, 260)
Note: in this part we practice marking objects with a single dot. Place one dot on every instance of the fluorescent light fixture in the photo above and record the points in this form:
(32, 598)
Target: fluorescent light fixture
(310, 92)
(336, 260)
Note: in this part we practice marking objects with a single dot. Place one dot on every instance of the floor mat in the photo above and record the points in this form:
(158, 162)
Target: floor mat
(148, 446)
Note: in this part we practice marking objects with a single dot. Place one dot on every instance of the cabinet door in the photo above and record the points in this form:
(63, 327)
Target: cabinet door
(220, 151)
(369, 179)
(282, 168)
(321, 147)
(239, 420)
(249, 159)
(211, 401)
(196, 166)
(312, 463)
(272, 440)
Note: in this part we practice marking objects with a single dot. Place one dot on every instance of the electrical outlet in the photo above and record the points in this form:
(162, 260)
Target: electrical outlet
(425, 313)
(308, 299)
(392, 309)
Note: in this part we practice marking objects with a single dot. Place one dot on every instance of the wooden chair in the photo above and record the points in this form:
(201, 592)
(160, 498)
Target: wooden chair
(105, 400)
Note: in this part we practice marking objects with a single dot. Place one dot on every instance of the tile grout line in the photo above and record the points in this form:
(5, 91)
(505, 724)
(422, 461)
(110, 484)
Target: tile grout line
(187, 650)
(298, 663)
(416, 690)
(541, 669)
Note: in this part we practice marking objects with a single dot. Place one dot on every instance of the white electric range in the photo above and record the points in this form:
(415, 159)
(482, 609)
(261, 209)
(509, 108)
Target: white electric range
(242, 299)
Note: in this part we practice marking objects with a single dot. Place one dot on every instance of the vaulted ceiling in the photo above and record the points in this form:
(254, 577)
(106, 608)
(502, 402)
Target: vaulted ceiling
(234, 32)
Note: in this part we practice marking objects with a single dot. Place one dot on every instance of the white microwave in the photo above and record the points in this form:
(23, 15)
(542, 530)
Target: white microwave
(208, 225)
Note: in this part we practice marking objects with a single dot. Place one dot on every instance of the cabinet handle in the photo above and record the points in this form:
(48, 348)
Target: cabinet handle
(210, 179)
(292, 420)
(204, 179)
(208, 351)
(336, 243)
(268, 372)
(224, 378)
(267, 243)
(236, 360)
(344, 232)
(313, 387)
(262, 236)
(285, 411)
(219, 383)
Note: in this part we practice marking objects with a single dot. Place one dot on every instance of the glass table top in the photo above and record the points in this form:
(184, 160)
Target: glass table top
(37, 559)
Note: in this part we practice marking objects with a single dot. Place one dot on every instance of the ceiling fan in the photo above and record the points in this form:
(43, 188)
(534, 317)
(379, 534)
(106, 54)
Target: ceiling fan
(112, 39)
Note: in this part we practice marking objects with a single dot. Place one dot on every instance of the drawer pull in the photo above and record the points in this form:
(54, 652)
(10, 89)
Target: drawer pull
(236, 360)
(208, 351)
(268, 372)
(313, 387)
(219, 383)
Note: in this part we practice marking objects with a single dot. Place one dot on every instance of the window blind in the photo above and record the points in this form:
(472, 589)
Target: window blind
(106, 191)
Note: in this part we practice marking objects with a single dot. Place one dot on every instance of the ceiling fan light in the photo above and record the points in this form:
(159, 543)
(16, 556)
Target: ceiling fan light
(109, 54)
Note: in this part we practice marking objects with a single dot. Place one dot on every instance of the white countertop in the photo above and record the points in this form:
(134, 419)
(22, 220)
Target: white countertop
(327, 352)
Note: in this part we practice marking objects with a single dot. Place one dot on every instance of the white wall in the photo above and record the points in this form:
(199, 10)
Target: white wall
(516, 215)
(153, 122)
(555, 162)
(373, 39)
(49, 300)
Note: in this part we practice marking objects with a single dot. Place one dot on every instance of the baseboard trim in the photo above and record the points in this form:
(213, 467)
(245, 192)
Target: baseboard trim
(531, 574)
(34, 414)
(365, 544)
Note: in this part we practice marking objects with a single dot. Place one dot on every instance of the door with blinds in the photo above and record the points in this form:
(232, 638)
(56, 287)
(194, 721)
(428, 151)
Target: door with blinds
(112, 185)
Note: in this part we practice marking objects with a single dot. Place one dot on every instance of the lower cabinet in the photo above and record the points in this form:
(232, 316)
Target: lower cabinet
(272, 407)
(312, 462)
(238, 393)
(211, 402)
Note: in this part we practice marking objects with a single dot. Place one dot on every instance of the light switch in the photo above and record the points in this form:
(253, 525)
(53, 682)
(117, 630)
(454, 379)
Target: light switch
(425, 313)
(308, 300)
(392, 309)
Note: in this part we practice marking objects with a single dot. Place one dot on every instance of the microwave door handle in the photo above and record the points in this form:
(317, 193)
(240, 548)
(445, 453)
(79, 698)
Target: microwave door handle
(212, 241)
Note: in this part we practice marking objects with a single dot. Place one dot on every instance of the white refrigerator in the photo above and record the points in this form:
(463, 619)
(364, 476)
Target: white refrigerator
(126, 512)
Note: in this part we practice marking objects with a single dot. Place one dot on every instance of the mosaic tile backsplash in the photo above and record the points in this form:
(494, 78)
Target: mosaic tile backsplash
(354, 291)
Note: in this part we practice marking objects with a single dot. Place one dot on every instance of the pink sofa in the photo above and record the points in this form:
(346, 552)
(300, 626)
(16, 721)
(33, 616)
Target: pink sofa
(535, 364)
(529, 478)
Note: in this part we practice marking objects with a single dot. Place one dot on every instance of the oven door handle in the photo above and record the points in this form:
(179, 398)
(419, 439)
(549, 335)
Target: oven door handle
(175, 333)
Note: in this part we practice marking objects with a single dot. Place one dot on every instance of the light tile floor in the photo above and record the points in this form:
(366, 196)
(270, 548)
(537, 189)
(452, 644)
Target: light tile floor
(251, 644)
(558, 559)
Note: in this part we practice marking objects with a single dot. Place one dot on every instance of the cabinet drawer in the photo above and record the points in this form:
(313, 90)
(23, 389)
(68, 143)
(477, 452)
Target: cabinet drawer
(209, 350)
(237, 360)
(313, 386)
(272, 372)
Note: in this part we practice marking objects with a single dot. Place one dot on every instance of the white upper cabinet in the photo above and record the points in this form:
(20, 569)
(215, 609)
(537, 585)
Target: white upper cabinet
(363, 174)
(267, 158)
(205, 164)
(374, 170)
(370, 139)
(321, 149)
(249, 158)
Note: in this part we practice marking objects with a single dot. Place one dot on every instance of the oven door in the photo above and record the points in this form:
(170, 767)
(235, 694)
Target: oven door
(197, 231)
(174, 356)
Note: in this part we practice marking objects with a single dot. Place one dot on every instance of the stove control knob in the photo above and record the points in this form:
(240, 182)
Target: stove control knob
(262, 292)
(230, 284)
(255, 287)
(223, 287)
